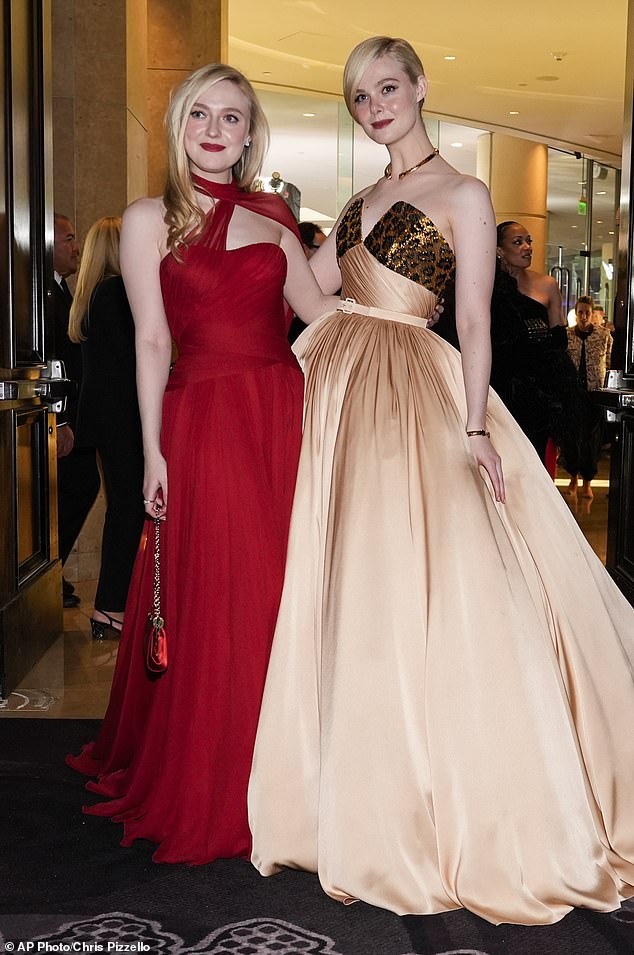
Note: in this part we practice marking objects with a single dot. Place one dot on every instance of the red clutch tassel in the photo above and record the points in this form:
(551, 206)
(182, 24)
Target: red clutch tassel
(155, 644)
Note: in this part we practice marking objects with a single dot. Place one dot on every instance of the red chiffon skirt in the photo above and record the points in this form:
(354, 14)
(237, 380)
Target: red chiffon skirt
(174, 753)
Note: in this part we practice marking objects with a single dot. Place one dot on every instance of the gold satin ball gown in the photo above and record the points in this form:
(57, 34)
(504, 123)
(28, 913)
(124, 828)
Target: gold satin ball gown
(447, 719)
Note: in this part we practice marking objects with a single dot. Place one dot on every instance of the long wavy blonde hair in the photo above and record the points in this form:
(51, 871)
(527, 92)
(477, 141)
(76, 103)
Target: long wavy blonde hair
(99, 260)
(366, 52)
(183, 216)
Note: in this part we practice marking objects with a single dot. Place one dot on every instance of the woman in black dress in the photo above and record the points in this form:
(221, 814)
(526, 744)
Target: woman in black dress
(108, 413)
(531, 370)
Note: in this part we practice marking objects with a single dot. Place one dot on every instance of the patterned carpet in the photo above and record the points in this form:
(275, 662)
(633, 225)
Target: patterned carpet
(67, 886)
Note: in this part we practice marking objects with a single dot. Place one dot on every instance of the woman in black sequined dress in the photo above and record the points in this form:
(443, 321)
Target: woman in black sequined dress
(531, 370)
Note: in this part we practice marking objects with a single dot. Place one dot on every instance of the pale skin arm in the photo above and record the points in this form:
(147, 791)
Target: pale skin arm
(473, 229)
(143, 235)
(324, 263)
(301, 290)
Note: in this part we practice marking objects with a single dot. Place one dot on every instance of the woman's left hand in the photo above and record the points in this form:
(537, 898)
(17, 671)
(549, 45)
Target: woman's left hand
(488, 458)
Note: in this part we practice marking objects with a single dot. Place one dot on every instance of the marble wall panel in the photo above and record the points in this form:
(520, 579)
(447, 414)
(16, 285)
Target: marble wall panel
(136, 59)
(64, 155)
(160, 85)
(101, 161)
(137, 137)
(186, 34)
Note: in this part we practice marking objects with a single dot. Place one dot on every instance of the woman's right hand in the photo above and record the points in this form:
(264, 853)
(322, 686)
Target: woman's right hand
(155, 487)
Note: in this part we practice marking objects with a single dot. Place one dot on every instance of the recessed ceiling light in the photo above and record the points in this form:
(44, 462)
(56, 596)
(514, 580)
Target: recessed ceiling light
(514, 112)
(610, 233)
(457, 145)
(450, 58)
(309, 114)
(574, 227)
(599, 221)
(602, 193)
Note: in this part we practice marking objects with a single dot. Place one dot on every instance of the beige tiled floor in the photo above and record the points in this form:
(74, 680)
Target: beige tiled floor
(73, 679)
(592, 516)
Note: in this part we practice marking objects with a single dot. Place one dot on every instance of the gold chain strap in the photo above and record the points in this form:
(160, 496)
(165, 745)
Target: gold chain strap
(155, 616)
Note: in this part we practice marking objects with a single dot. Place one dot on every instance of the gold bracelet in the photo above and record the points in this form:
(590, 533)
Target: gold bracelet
(485, 434)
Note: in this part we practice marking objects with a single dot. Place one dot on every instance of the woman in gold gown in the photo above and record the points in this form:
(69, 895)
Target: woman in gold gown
(448, 708)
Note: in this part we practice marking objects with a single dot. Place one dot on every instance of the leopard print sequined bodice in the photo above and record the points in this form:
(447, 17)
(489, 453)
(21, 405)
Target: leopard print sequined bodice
(404, 240)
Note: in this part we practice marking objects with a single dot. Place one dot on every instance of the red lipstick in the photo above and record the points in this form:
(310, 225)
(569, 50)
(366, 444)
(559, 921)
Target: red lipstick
(212, 147)
(381, 124)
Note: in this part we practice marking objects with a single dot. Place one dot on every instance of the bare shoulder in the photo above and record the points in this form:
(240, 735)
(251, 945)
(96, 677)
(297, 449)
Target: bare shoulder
(143, 228)
(362, 193)
(468, 205)
(149, 212)
(463, 189)
(545, 283)
(358, 195)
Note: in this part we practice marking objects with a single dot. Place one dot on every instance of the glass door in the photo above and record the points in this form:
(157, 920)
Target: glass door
(30, 575)
(582, 228)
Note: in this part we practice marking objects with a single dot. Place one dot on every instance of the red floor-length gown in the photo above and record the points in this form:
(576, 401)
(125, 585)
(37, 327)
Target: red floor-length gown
(174, 753)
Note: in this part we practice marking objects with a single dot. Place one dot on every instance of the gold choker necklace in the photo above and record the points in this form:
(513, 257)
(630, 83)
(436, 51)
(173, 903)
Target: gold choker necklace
(388, 169)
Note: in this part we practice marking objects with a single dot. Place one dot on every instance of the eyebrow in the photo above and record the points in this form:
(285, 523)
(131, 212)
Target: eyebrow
(388, 79)
(234, 109)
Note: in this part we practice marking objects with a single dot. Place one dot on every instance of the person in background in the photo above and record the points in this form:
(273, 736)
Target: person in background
(312, 237)
(599, 317)
(77, 473)
(590, 348)
(108, 413)
(531, 370)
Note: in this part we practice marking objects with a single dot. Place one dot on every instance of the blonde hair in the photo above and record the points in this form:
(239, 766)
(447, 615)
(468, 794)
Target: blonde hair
(366, 52)
(99, 260)
(183, 216)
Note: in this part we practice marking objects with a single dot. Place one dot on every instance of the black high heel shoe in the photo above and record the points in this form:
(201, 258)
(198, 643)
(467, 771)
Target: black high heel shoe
(99, 627)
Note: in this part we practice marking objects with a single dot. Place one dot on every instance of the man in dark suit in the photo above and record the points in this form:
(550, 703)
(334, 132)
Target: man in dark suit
(77, 473)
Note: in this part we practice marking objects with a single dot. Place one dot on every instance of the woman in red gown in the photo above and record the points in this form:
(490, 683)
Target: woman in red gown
(209, 266)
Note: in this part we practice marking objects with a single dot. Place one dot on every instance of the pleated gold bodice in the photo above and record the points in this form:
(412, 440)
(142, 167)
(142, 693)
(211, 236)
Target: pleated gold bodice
(404, 263)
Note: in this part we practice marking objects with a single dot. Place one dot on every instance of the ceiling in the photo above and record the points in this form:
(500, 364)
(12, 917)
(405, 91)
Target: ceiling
(560, 65)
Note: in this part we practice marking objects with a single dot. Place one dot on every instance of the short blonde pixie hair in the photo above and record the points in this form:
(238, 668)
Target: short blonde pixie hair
(370, 50)
(183, 216)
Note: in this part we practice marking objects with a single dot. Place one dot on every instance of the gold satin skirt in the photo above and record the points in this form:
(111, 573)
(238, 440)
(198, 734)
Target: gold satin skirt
(447, 719)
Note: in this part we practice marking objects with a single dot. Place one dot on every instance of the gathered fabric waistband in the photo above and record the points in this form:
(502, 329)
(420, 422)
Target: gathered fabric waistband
(351, 307)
